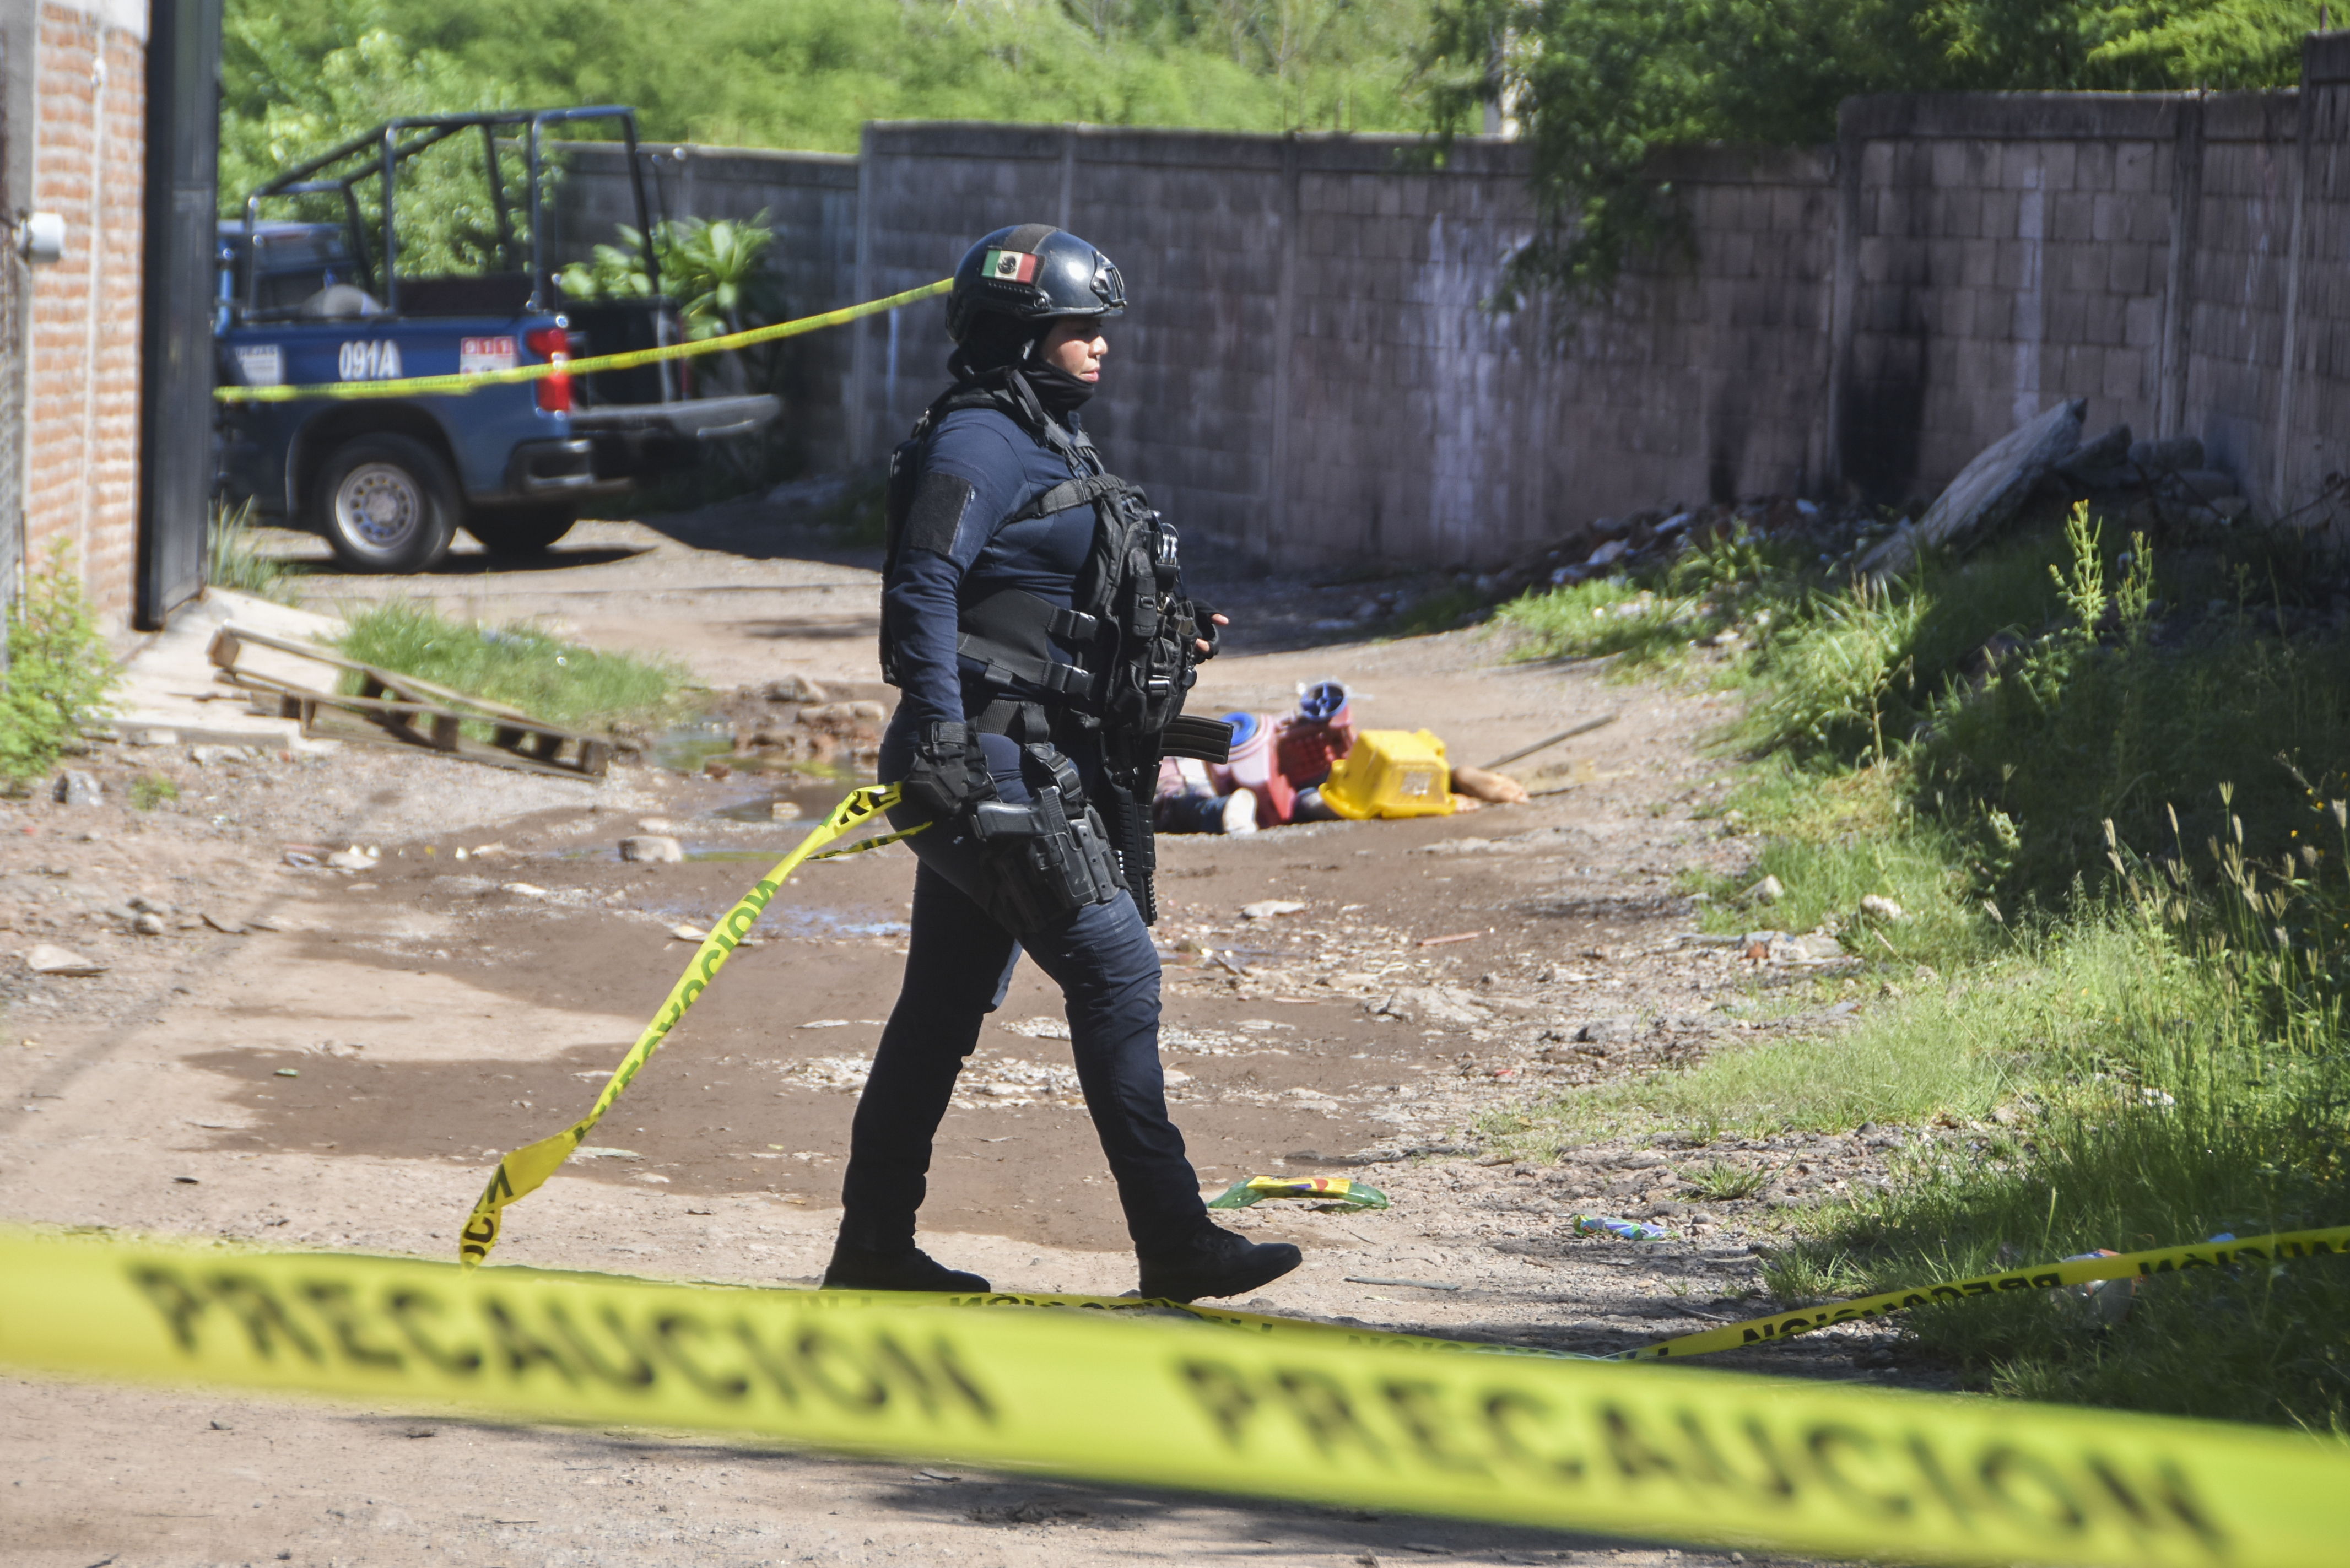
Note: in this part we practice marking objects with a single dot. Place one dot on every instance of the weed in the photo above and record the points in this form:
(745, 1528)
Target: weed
(59, 672)
(149, 791)
(232, 560)
(557, 682)
(1723, 1182)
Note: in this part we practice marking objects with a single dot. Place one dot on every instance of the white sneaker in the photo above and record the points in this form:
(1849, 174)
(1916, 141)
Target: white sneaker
(1240, 811)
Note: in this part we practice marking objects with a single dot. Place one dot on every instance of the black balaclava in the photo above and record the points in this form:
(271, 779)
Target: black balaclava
(996, 344)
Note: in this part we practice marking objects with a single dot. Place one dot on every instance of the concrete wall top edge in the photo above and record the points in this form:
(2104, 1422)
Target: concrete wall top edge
(2326, 58)
(2015, 116)
(819, 168)
(1726, 163)
(1158, 147)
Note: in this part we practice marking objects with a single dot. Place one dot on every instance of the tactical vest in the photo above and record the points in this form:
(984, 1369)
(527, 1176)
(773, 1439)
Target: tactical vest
(1131, 629)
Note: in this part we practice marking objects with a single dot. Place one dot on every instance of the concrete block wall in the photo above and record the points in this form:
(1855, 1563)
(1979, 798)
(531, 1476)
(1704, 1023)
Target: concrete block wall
(1308, 370)
(80, 452)
(2004, 251)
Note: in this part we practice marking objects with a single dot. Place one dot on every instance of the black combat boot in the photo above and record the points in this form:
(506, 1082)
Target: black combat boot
(912, 1269)
(1213, 1261)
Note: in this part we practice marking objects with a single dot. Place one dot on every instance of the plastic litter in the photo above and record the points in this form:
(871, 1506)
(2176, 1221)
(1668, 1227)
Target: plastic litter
(1391, 772)
(1622, 1230)
(2106, 1303)
(1326, 1189)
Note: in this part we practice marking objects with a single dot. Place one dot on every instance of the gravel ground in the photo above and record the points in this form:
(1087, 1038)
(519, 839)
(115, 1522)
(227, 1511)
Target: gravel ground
(435, 1009)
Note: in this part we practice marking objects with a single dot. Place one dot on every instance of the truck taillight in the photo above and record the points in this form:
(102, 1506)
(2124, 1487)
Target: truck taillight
(553, 345)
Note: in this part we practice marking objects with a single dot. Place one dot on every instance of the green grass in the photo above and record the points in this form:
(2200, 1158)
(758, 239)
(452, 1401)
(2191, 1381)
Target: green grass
(557, 682)
(232, 560)
(149, 791)
(2118, 838)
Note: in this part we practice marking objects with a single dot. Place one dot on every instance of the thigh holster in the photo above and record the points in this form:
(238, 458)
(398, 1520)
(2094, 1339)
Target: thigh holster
(1049, 856)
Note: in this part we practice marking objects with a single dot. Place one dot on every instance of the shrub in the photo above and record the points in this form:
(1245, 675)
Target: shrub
(59, 672)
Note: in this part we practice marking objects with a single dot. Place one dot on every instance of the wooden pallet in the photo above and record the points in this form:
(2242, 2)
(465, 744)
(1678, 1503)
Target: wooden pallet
(403, 710)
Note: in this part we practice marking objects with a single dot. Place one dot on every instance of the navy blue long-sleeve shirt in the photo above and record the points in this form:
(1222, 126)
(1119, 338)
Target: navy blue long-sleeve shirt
(1007, 469)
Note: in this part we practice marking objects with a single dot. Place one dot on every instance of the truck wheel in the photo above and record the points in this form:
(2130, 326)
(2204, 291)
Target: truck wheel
(520, 529)
(387, 503)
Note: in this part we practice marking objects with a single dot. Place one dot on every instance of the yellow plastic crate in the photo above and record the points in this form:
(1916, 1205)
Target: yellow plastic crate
(1391, 772)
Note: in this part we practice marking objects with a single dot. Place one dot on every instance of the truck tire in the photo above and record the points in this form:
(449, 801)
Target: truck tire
(386, 503)
(520, 529)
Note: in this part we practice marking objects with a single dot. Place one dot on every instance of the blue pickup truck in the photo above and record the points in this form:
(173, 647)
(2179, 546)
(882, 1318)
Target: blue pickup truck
(392, 261)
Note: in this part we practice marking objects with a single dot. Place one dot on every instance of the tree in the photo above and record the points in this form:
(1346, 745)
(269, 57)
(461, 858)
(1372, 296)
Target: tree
(1600, 84)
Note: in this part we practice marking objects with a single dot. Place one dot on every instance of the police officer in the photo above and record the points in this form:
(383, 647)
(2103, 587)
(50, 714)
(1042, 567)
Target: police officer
(1033, 620)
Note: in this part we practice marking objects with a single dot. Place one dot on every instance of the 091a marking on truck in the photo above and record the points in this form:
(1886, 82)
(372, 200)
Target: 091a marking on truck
(475, 355)
(378, 361)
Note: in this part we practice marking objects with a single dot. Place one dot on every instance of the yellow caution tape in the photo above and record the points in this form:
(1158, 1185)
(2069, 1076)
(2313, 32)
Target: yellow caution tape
(1712, 1458)
(2279, 1247)
(526, 1171)
(452, 385)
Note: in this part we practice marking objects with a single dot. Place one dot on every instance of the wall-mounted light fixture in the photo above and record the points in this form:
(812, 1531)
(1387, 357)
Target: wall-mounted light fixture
(41, 238)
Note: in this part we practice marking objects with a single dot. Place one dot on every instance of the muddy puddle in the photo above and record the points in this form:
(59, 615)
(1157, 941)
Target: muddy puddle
(749, 1123)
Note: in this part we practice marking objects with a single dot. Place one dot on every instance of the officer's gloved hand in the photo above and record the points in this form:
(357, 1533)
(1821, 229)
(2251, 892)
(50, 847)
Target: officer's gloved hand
(948, 772)
(1209, 626)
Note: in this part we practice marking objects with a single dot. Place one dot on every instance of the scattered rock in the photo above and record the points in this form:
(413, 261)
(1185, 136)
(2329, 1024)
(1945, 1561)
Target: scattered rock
(210, 756)
(1758, 944)
(1769, 890)
(655, 824)
(148, 925)
(1986, 493)
(75, 787)
(2091, 459)
(148, 736)
(45, 957)
(1877, 906)
(522, 889)
(796, 689)
(1267, 909)
(1428, 1004)
(1608, 555)
(718, 769)
(1609, 1032)
(2169, 454)
(222, 924)
(689, 933)
(142, 904)
(351, 859)
(845, 713)
(783, 811)
(653, 848)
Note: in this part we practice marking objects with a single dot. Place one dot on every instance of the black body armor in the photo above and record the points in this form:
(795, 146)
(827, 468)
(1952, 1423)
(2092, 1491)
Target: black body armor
(1131, 626)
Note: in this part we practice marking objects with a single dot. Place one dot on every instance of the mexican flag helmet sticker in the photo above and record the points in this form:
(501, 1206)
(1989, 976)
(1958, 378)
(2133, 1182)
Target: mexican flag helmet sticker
(1009, 266)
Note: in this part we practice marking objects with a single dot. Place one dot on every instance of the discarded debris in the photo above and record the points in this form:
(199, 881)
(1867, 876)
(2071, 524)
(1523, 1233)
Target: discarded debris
(45, 957)
(405, 711)
(1326, 1189)
(1549, 741)
(1986, 493)
(653, 848)
(1622, 1230)
(1268, 908)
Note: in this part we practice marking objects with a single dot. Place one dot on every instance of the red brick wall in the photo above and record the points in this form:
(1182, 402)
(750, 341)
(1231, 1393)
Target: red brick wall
(81, 434)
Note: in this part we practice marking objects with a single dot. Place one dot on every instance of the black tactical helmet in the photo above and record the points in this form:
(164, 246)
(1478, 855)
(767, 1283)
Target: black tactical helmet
(1032, 272)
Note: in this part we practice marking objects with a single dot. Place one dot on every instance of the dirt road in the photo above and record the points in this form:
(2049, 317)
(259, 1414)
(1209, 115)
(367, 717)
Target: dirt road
(313, 1057)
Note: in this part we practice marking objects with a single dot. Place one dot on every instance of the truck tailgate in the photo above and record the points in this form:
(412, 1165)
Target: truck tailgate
(704, 418)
